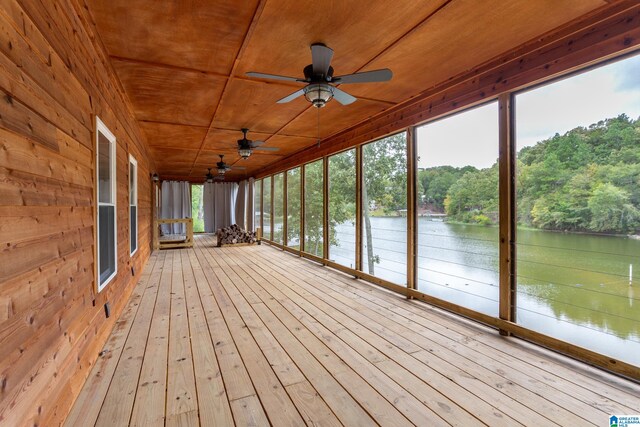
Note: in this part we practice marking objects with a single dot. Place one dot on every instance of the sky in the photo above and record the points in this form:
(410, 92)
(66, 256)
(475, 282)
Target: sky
(471, 137)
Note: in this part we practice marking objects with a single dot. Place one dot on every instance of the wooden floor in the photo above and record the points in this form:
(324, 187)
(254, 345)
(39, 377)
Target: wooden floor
(256, 336)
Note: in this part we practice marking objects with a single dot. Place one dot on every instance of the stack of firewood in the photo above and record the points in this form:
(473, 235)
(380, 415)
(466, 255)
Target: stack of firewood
(235, 234)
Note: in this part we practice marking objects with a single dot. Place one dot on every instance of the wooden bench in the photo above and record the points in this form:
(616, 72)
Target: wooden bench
(185, 241)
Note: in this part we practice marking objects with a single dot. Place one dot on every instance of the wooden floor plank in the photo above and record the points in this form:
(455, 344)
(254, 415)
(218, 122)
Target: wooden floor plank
(360, 313)
(254, 336)
(120, 399)
(384, 412)
(234, 374)
(213, 403)
(95, 388)
(273, 397)
(150, 404)
(248, 412)
(313, 408)
(313, 321)
(584, 407)
(181, 386)
(594, 384)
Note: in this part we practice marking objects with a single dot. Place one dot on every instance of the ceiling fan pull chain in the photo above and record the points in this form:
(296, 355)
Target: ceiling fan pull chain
(318, 127)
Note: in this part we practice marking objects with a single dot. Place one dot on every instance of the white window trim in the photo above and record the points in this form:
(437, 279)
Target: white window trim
(132, 160)
(102, 128)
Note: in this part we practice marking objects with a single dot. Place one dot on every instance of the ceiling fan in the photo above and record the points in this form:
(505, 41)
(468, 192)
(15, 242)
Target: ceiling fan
(246, 146)
(319, 75)
(223, 167)
(209, 177)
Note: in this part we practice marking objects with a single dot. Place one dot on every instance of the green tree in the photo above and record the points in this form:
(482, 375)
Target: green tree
(197, 211)
(474, 197)
(313, 208)
(385, 183)
(611, 210)
(293, 206)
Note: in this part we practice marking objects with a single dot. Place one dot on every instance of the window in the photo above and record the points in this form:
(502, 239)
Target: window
(384, 208)
(342, 208)
(458, 233)
(106, 192)
(266, 207)
(197, 207)
(293, 208)
(257, 200)
(313, 208)
(578, 200)
(133, 205)
(278, 207)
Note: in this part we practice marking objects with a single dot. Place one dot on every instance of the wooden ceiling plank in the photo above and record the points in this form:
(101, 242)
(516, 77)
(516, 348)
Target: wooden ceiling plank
(384, 49)
(606, 32)
(157, 64)
(256, 16)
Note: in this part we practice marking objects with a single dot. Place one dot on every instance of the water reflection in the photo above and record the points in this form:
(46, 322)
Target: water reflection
(571, 286)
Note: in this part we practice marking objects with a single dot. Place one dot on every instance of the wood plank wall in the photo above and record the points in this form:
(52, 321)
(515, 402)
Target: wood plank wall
(54, 79)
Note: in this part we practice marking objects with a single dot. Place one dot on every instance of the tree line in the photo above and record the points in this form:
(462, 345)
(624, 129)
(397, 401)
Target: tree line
(585, 180)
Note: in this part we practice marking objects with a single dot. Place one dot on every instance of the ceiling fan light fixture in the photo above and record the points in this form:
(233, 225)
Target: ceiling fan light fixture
(318, 94)
(244, 152)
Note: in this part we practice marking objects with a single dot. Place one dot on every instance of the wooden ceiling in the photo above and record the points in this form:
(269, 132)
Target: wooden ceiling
(183, 64)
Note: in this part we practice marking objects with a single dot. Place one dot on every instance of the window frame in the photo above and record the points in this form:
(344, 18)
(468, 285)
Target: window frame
(134, 162)
(101, 128)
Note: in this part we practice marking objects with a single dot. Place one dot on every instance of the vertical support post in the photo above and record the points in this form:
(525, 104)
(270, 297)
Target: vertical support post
(262, 207)
(271, 208)
(507, 171)
(154, 216)
(325, 208)
(302, 225)
(359, 183)
(412, 207)
(285, 236)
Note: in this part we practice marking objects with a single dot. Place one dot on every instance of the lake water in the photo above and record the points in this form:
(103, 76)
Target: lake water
(574, 287)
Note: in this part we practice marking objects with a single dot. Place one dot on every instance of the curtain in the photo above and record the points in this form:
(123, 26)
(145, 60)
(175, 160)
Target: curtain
(176, 204)
(250, 210)
(219, 203)
(241, 200)
(207, 206)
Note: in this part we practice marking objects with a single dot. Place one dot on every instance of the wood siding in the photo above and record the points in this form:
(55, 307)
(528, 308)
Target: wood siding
(54, 79)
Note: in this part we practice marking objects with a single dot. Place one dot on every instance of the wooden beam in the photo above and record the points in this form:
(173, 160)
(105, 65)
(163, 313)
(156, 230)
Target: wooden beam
(285, 234)
(358, 208)
(272, 204)
(302, 180)
(507, 155)
(262, 207)
(325, 208)
(412, 208)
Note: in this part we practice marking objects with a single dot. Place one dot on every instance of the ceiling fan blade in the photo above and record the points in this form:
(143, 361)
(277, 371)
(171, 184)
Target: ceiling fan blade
(255, 144)
(273, 76)
(365, 77)
(267, 148)
(291, 97)
(343, 97)
(237, 168)
(321, 58)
